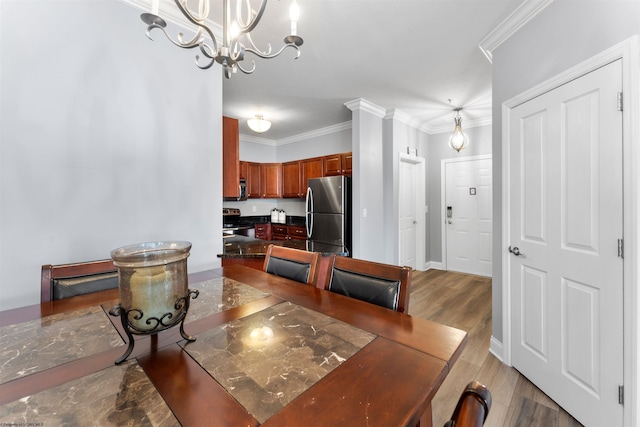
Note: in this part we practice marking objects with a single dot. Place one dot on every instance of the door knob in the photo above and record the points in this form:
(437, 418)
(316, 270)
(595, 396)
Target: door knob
(516, 251)
(449, 222)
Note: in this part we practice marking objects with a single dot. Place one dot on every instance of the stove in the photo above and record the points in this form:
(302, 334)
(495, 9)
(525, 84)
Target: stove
(232, 225)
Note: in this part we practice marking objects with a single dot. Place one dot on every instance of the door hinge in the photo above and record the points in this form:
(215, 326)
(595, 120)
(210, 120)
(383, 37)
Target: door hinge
(621, 394)
(620, 248)
(619, 101)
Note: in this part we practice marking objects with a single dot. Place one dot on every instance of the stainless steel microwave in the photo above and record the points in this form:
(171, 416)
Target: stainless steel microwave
(243, 189)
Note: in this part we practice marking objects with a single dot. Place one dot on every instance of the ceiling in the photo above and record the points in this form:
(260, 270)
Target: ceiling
(408, 55)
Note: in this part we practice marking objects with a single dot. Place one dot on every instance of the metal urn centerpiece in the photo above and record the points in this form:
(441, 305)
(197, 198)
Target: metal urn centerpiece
(153, 286)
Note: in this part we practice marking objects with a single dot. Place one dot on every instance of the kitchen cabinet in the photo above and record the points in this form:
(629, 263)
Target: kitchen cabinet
(310, 168)
(263, 231)
(291, 179)
(337, 164)
(297, 232)
(254, 172)
(279, 232)
(244, 170)
(271, 180)
(288, 232)
(230, 158)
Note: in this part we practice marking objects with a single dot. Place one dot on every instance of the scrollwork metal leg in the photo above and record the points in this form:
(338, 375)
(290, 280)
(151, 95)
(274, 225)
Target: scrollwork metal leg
(118, 310)
(157, 324)
(192, 294)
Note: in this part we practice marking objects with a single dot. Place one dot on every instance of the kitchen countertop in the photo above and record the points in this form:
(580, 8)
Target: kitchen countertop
(249, 247)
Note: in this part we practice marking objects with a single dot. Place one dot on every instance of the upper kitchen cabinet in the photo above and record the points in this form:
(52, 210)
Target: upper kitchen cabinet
(271, 180)
(291, 179)
(310, 168)
(254, 172)
(337, 164)
(244, 170)
(230, 158)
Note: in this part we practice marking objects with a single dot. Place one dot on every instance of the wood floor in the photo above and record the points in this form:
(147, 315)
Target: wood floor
(464, 301)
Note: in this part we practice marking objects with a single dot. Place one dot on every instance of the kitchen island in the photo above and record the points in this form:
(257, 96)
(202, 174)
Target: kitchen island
(251, 252)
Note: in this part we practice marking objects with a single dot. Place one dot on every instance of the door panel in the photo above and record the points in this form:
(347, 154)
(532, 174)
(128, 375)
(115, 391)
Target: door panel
(566, 219)
(468, 192)
(408, 218)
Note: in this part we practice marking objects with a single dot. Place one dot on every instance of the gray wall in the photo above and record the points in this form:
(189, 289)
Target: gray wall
(566, 33)
(479, 143)
(107, 139)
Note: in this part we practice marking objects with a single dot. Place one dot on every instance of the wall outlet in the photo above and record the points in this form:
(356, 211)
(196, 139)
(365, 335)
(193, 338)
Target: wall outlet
(364, 212)
(253, 208)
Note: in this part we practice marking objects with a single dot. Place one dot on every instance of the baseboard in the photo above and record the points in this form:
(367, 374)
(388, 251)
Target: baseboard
(496, 348)
(432, 265)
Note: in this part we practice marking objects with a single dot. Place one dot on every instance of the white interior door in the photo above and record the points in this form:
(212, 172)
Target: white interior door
(468, 215)
(566, 220)
(408, 219)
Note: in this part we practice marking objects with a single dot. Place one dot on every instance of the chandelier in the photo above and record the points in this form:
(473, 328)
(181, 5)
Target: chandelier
(236, 33)
(458, 139)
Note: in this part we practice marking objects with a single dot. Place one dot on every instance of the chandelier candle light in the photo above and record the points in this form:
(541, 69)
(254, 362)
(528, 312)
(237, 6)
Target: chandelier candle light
(458, 139)
(236, 34)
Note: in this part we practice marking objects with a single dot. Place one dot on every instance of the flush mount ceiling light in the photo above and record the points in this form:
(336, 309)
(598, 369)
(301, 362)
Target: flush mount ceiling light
(458, 139)
(259, 124)
(236, 34)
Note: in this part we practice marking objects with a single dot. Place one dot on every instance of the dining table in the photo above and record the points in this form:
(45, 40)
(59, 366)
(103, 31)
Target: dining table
(268, 351)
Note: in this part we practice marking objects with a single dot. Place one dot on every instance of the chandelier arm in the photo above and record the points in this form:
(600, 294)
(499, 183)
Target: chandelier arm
(263, 56)
(197, 22)
(253, 22)
(253, 68)
(254, 47)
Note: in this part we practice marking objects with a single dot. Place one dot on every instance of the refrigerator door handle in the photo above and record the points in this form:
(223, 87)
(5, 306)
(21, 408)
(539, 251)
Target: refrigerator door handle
(309, 212)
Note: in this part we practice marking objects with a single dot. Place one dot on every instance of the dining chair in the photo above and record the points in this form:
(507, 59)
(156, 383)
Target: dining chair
(385, 285)
(69, 280)
(294, 264)
(472, 408)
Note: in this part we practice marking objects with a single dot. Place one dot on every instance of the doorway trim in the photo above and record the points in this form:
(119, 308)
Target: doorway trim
(419, 162)
(629, 52)
(443, 190)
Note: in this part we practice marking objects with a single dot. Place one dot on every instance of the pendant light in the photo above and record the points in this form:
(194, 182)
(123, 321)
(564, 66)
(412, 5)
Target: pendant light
(458, 139)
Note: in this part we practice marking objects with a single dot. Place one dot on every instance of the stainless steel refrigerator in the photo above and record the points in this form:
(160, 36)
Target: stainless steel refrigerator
(328, 215)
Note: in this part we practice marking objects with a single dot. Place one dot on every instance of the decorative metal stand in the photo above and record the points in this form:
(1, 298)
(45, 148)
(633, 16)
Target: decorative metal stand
(166, 321)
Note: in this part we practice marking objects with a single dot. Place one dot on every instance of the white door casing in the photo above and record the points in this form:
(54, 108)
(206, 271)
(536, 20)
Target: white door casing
(467, 196)
(411, 213)
(566, 219)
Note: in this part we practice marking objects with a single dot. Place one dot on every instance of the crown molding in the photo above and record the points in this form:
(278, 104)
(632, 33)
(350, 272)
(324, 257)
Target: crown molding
(369, 107)
(467, 124)
(296, 138)
(258, 140)
(528, 10)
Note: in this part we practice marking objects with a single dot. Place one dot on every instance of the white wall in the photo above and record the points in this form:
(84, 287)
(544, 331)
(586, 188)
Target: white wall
(566, 33)
(107, 139)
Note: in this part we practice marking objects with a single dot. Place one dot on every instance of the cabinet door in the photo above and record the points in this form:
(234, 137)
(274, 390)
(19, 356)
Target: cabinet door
(244, 170)
(346, 163)
(333, 165)
(291, 179)
(253, 180)
(263, 231)
(311, 168)
(297, 233)
(230, 158)
(271, 181)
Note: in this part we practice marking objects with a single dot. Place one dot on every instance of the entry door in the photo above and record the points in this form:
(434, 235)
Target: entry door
(408, 220)
(566, 219)
(468, 216)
